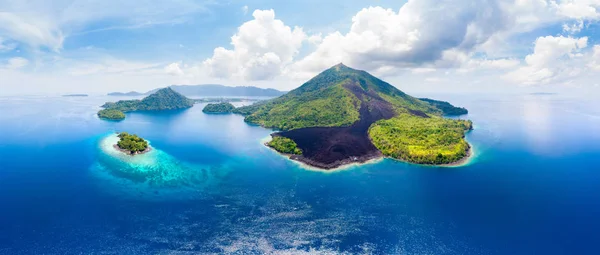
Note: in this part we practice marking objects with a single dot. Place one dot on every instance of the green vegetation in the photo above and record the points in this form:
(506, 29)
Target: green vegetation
(284, 145)
(163, 99)
(417, 133)
(111, 114)
(132, 143)
(326, 101)
(420, 140)
(446, 108)
(331, 107)
(219, 108)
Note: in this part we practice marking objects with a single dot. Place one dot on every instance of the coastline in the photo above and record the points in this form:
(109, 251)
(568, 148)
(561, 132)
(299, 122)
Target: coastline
(358, 161)
(116, 147)
(306, 166)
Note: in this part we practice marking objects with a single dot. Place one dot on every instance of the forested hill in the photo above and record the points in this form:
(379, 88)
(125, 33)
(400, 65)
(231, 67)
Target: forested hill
(446, 108)
(334, 118)
(332, 99)
(163, 99)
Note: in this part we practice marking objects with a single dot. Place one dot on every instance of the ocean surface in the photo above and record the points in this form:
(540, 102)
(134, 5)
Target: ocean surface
(210, 186)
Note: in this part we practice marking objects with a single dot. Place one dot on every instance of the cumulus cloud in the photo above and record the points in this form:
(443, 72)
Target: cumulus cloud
(421, 32)
(261, 49)
(174, 69)
(579, 9)
(595, 59)
(552, 58)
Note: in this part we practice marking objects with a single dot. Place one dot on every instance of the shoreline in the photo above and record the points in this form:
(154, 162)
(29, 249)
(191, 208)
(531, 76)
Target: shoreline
(311, 165)
(116, 147)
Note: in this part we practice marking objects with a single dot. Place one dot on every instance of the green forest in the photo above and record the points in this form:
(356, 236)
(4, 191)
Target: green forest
(434, 140)
(163, 99)
(333, 107)
(284, 145)
(222, 107)
(325, 101)
(446, 108)
(111, 114)
(131, 143)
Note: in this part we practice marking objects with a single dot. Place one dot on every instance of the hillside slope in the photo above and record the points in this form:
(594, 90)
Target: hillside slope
(163, 99)
(333, 99)
(329, 118)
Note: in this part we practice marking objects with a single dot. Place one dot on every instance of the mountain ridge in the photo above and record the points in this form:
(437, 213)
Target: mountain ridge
(211, 90)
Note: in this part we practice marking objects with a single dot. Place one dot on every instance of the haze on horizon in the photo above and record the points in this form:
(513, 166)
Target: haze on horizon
(420, 46)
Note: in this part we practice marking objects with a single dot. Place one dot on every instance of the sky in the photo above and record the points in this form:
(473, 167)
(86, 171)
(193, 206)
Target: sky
(420, 46)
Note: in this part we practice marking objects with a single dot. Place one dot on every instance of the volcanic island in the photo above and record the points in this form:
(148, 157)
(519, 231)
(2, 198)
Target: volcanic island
(345, 116)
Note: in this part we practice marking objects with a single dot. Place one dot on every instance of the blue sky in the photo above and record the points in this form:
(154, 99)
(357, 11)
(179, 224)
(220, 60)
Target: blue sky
(423, 46)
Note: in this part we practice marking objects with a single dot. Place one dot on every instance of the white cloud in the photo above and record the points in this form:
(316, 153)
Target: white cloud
(573, 28)
(261, 48)
(578, 9)
(552, 59)
(46, 24)
(34, 32)
(421, 33)
(174, 69)
(245, 9)
(16, 63)
(595, 59)
(6, 46)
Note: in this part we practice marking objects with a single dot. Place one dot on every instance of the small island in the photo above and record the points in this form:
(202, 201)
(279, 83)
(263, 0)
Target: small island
(161, 100)
(131, 144)
(111, 114)
(75, 95)
(223, 107)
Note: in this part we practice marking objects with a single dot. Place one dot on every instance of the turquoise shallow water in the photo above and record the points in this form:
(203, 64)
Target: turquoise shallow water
(210, 186)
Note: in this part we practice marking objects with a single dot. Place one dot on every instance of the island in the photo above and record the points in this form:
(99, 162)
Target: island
(161, 100)
(111, 114)
(75, 95)
(219, 108)
(131, 144)
(122, 94)
(211, 90)
(225, 100)
(344, 116)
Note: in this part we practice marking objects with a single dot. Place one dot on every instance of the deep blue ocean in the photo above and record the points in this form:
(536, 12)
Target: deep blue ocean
(533, 186)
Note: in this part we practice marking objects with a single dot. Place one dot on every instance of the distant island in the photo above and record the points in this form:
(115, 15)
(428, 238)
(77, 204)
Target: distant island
(121, 94)
(225, 100)
(211, 90)
(131, 144)
(543, 94)
(75, 95)
(222, 107)
(163, 99)
(345, 116)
